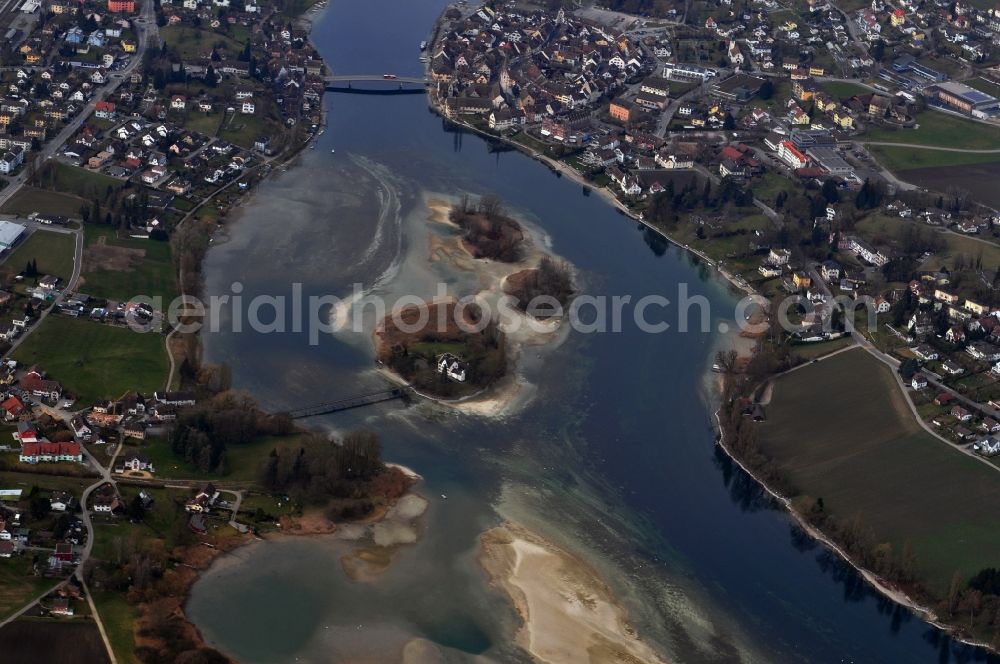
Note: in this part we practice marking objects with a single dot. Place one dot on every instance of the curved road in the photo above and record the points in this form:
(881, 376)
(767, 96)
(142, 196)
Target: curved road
(930, 147)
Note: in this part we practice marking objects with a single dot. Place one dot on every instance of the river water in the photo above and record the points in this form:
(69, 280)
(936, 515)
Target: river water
(612, 456)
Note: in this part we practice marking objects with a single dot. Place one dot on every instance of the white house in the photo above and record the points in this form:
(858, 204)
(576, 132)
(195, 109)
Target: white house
(452, 367)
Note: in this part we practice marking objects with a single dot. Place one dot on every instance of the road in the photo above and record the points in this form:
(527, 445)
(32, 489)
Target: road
(148, 31)
(668, 114)
(893, 365)
(931, 147)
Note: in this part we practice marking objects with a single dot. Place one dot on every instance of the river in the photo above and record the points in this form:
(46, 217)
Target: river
(612, 456)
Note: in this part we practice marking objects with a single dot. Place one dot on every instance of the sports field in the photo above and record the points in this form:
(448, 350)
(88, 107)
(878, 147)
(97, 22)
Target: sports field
(841, 431)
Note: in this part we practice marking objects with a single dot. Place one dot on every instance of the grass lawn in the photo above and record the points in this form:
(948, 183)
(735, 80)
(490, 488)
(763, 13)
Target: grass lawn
(270, 505)
(52, 251)
(767, 187)
(153, 275)
(244, 460)
(118, 617)
(191, 42)
(910, 158)
(204, 123)
(30, 199)
(81, 181)
(724, 248)
(941, 129)
(812, 351)
(874, 461)
(96, 361)
(243, 130)
(14, 480)
(842, 89)
(18, 585)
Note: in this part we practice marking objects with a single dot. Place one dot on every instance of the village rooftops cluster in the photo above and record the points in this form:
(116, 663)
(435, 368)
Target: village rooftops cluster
(162, 156)
(972, 31)
(524, 67)
(280, 70)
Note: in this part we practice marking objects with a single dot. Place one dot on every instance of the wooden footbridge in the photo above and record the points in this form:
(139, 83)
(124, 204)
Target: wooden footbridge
(328, 407)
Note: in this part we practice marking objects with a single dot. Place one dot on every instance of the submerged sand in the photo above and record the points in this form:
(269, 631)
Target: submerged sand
(569, 615)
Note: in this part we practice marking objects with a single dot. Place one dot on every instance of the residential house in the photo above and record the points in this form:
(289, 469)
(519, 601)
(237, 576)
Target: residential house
(961, 414)
(203, 499)
(452, 367)
(46, 451)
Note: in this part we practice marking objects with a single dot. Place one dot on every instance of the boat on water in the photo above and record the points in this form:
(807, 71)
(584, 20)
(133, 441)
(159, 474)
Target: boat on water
(423, 45)
(717, 368)
(332, 151)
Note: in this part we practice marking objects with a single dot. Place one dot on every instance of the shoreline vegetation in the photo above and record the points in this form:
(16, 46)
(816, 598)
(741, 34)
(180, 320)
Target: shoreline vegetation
(892, 571)
(758, 359)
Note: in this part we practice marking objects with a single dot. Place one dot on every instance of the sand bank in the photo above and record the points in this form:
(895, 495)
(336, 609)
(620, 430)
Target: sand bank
(568, 613)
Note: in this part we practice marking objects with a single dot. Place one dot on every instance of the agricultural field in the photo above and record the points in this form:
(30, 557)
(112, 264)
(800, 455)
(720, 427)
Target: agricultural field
(120, 269)
(102, 362)
(909, 159)
(873, 461)
(53, 253)
(979, 178)
(943, 130)
(29, 641)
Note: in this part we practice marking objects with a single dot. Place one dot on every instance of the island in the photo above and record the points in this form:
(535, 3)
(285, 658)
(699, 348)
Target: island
(457, 359)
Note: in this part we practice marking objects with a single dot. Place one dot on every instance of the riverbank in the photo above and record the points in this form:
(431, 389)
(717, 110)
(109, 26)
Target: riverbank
(925, 613)
(801, 506)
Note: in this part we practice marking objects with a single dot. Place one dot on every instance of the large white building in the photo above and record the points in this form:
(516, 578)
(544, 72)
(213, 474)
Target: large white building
(10, 233)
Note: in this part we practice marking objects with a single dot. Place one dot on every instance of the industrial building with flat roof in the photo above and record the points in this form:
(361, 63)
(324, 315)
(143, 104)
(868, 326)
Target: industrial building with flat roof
(10, 233)
(830, 160)
(964, 98)
(738, 87)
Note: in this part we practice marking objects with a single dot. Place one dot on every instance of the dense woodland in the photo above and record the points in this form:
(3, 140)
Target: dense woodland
(203, 432)
(487, 230)
(347, 476)
(551, 279)
(414, 356)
